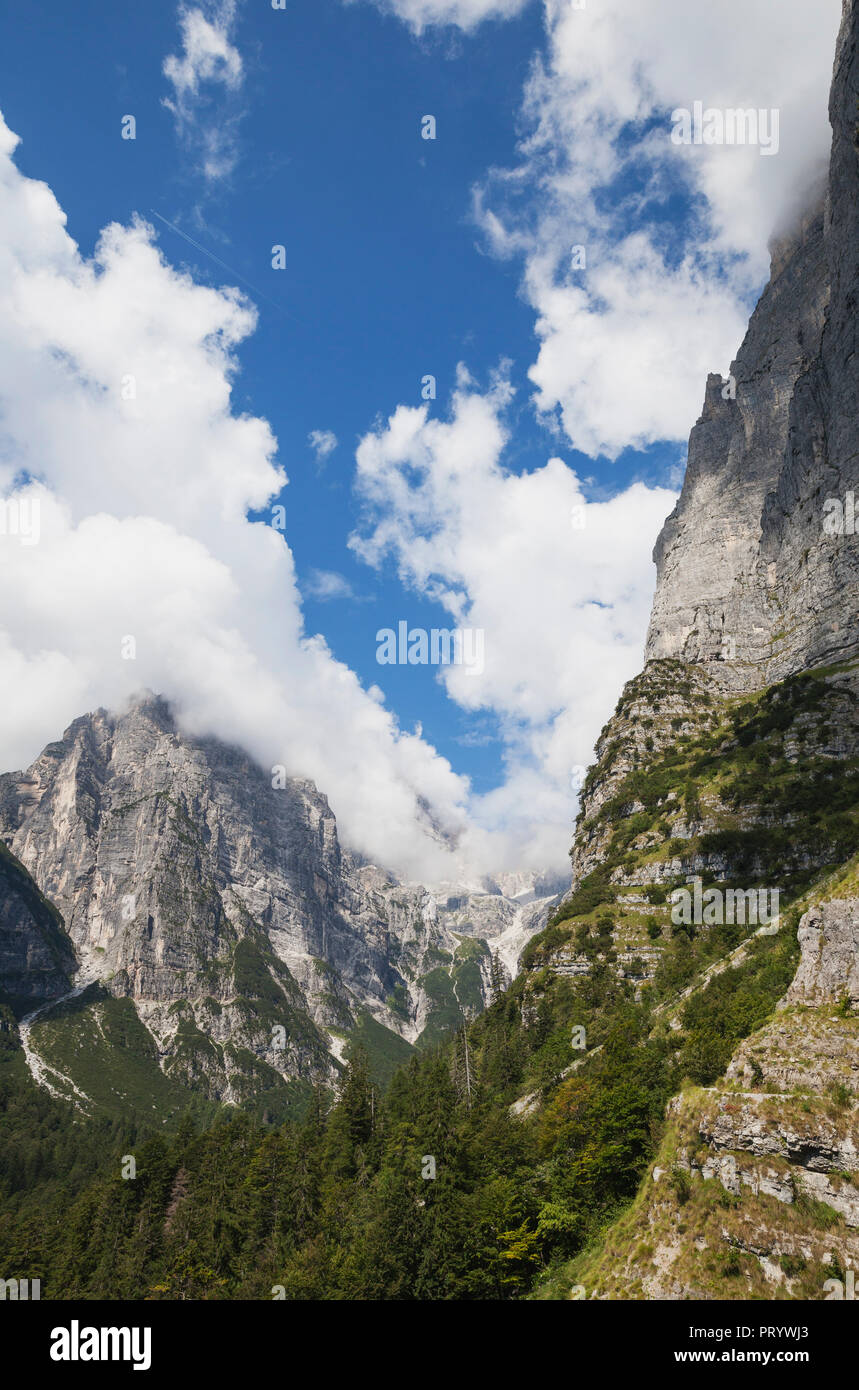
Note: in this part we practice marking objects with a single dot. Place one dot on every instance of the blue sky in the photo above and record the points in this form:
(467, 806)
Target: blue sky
(407, 257)
(384, 282)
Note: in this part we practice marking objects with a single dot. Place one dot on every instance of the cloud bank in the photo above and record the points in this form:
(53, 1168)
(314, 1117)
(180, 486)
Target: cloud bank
(560, 588)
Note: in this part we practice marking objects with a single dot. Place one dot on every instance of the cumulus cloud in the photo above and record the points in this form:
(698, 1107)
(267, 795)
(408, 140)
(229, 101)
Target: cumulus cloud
(560, 587)
(115, 396)
(464, 14)
(623, 360)
(323, 443)
(209, 61)
(115, 400)
(674, 237)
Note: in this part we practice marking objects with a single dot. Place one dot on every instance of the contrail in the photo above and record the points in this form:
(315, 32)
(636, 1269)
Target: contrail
(228, 268)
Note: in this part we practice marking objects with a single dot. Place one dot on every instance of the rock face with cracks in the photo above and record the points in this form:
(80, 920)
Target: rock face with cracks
(222, 905)
(725, 758)
(758, 564)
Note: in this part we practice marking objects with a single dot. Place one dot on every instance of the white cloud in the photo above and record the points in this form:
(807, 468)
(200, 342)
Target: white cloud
(115, 379)
(560, 587)
(464, 14)
(624, 360)
(208, 61)
(323, 443)
(115, 395)
(625, 343)
(326, 585)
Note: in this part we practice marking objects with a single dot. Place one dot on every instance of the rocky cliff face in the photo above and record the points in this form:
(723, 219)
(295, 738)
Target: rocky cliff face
(37, 960)
(733, 759)
(749, 581)
(755, 1192)
(221, 904)
(717, 597)
(755, 585)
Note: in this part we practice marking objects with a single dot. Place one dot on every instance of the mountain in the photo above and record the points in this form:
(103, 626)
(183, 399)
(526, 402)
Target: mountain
(215, 915)
(733, 761)
(662, 1104)
(751, 587)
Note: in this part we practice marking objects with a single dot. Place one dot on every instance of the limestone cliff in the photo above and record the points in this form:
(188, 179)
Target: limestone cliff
(749, 581)
(733, 761)
(37, 960)
(755, 1191)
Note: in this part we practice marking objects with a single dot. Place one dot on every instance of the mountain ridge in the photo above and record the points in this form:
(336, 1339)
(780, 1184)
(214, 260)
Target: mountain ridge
(655, 1107)
(219, 901)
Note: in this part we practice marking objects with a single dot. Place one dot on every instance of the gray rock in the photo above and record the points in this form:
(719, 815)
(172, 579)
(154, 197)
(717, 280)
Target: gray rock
(225, 907)
(37, 959)
(829, 967)
(748, 582)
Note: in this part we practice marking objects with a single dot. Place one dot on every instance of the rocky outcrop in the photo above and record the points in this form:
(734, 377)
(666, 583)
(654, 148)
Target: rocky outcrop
(829, 969)
(714, 601)
(755, 1191)
(37, 960)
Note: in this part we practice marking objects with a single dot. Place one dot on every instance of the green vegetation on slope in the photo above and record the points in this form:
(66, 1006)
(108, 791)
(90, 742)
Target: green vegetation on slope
(339, 1203)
